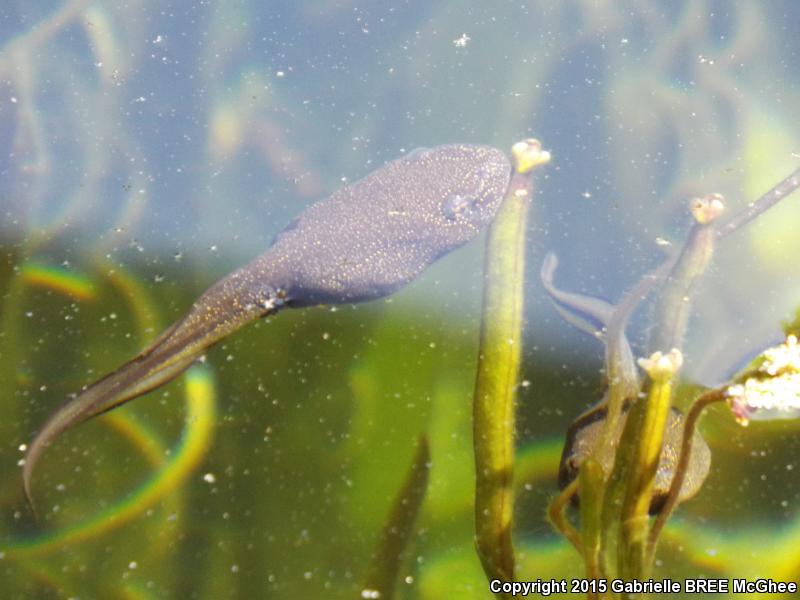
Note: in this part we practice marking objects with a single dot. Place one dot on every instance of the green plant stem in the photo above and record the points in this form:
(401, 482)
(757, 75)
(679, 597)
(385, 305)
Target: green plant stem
(644, 434)
(623, 383)
(557, 511)
(592, 481)
(625, 514)
(498, 368)
(674, 303)
(388, 557)
(716, 395)
(768, 200)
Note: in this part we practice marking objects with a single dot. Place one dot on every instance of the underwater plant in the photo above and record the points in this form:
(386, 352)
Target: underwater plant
(633, 457)
(627, 462)
(497, 372)
(141, 146)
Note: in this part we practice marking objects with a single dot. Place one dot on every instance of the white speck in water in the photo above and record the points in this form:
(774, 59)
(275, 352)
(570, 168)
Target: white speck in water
(461, 41)
(660, 241)
(234, 568)
(23, 447)
(133, 565)
(280, 73)
(14, 100)
(587, 194)
(368, 593)
(307, 575)
(525, 383)
(209, 478)
(409, 579)
(326, 336)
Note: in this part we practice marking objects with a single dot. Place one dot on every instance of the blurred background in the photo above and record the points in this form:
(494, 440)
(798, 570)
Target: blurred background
(148, 148)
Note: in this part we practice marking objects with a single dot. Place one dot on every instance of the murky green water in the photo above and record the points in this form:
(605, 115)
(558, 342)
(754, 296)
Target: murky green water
(151, 149)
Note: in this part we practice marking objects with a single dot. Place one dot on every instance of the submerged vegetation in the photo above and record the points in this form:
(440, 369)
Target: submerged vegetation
(618, 473)
(329, 452)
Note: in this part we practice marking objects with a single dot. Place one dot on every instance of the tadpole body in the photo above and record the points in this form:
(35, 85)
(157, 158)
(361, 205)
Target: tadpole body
(363, 242)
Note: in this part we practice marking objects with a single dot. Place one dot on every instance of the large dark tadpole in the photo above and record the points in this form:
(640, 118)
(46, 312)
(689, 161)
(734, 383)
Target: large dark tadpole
(363, 242)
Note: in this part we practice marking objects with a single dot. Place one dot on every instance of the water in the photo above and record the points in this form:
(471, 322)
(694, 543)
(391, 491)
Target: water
(151, 149)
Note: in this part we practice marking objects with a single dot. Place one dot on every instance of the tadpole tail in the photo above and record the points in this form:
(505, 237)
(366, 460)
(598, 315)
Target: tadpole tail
(587, 313)
(219, 312)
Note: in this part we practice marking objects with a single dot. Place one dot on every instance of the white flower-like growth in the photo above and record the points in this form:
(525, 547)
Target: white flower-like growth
(660, 365)
(773, 392)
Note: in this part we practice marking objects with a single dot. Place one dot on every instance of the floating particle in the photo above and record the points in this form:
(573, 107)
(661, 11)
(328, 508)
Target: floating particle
(461, 41)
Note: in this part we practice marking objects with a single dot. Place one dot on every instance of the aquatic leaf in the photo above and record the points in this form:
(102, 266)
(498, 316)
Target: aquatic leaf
(637, 461)
(383, 574)
(673, 307)
(498, 368)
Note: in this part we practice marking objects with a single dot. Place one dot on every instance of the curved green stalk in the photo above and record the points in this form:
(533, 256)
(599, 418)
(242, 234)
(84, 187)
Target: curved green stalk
(782, 189)
(498, 367)
(557, 512)
(637, 462)
(623, 380)
(381, 578)
(681, 469)
(591, 480)
(674, 303)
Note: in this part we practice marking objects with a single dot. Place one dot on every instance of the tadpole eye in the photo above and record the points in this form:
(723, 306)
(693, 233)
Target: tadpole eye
(458, 206)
